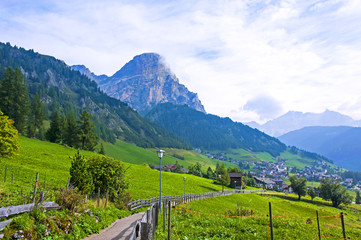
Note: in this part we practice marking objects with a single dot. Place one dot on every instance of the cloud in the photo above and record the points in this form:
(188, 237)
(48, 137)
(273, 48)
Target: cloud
(265, 106)
(305, 54)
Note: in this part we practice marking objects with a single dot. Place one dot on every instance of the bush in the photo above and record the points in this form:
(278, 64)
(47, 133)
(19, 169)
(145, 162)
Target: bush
(70, 199)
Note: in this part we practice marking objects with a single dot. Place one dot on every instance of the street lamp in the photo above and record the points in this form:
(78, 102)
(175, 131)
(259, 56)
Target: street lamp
(184, 178)
(160, 153)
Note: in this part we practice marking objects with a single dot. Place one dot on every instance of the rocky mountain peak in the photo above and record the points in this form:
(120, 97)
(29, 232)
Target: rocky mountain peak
(146, 81)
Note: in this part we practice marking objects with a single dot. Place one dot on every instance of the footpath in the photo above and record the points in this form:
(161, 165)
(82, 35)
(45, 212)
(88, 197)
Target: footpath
(120, 229)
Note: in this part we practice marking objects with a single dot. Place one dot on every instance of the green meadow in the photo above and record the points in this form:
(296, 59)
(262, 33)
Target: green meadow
(216, 218)
(54, 160)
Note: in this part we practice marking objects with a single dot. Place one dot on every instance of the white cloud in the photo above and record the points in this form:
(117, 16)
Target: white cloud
(305, 54)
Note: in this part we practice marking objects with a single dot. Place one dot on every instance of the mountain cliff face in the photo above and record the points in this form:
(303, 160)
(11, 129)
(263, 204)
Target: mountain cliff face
(296, 120)
(145, 82)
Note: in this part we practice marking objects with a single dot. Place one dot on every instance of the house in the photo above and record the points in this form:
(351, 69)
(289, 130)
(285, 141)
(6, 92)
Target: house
(264, 182)
(279, 183)
(236, 179)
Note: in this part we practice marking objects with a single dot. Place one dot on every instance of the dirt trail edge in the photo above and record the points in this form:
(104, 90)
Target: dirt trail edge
(120, 229)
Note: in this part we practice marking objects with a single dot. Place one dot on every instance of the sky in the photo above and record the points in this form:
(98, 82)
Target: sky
(250, 60)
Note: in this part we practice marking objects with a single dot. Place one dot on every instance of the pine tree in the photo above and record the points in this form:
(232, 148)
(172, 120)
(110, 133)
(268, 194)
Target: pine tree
(86, 136)
(71, 131)
(53, 134)
(38, 112)
(21, 102)
(223, 177)
(14, 98)
(63, 128)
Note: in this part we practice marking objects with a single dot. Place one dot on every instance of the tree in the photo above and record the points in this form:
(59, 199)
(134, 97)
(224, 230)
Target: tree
(109, 176)
(86, 136)
(196, 169)
(71, 131)
(80, 176)
(223, 177)
(101, 149)
(210, 173)
(63, 128)
(9, 142)
(298, 186)
(177, 168)
(311, 192)
(54, 133)
(14, 98)
(38, 112)
(358, 198)
(334, 191)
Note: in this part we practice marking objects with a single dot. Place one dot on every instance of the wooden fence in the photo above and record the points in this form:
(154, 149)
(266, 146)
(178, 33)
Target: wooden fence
(185, 198)
(14, 210)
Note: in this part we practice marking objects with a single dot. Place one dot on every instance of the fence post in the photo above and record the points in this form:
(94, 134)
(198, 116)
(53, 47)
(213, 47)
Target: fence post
(98, 197)
(318, 226)
(343, 226)
(164, 212)
(270, 220)
(45, 180)
(36, 184)
(67, 185)
(169, 215)
(6, 169)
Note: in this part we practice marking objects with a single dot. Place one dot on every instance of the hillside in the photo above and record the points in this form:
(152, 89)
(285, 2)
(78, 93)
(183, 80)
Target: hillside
(341, 144)
(54, 160)
(63, 89)
(144, 82)
(211, 132)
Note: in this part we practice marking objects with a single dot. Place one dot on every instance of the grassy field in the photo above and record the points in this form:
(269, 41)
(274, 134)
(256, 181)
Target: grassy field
(292, 219)
(132, 154)
(42, 157)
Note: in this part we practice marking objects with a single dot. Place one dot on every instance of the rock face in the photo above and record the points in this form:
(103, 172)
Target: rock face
(85, 71)
(146, 81)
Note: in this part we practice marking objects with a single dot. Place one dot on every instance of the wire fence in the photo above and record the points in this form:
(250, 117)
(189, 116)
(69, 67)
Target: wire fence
(271, 220)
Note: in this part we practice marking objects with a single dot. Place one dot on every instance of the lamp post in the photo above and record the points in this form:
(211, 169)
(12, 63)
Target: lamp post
(160, 153)
(184, 198)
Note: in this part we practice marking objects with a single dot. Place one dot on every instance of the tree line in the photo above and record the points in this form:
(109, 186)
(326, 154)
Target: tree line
(28, 116)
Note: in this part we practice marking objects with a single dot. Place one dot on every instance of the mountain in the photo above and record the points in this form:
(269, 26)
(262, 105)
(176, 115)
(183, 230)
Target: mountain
(144, 82)
(63, 89)
(211, 132)
(85, 71)
(296, 120)
(341, 144)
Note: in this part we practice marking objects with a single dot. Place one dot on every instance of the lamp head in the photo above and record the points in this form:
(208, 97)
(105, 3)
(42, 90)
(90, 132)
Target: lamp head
(160, 153)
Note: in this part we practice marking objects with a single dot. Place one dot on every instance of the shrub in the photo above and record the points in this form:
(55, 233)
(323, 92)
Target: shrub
(70, 199)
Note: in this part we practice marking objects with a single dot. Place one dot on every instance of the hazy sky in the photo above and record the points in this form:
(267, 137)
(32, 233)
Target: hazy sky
(248, 60)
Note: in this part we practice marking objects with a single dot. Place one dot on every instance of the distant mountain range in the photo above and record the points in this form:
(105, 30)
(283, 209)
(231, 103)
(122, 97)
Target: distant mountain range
(144, 82)
(211, 132)
(340, 144)
(296, 120)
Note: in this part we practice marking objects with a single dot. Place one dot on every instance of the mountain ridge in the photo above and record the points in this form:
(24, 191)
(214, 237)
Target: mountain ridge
(146, 81)
(294, 120)
(339, 143)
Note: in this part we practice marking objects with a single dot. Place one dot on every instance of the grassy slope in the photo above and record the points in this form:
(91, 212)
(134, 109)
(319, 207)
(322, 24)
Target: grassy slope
(53, 159)
(132, 154)
(210, 227)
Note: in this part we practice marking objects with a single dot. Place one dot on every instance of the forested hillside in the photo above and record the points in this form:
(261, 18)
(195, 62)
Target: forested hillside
(65, 90)
(211, 132)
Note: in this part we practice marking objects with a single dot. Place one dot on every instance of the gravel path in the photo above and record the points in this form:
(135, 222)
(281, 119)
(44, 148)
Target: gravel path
(120, 229)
